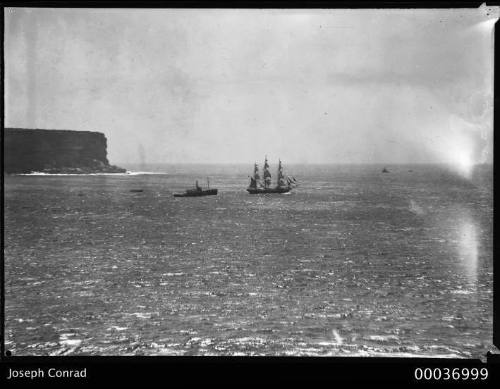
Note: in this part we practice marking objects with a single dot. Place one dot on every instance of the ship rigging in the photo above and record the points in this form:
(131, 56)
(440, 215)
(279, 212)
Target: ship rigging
(284, 184)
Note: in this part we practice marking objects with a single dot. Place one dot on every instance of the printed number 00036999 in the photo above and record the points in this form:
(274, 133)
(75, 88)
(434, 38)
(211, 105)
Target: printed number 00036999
(455, 374)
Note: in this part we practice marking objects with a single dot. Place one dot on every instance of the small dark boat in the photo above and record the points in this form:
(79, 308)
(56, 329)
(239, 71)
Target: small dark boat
(136, 190)
(284, 184)
(384, 170)
(198, 191)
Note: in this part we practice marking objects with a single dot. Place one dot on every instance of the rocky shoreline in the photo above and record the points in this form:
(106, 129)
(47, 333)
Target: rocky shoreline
(75, 171)
(81, 170)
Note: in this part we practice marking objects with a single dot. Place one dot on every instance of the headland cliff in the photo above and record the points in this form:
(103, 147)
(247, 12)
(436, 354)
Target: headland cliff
(56, 151)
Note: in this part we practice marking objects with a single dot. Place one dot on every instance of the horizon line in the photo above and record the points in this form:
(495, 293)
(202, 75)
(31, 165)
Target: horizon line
(297, 163)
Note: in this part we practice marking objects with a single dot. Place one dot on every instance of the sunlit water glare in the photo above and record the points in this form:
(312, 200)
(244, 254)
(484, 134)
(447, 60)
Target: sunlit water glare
(353, 262)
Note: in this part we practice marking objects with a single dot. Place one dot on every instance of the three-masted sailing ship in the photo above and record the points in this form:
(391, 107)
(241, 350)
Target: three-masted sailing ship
(257, 186)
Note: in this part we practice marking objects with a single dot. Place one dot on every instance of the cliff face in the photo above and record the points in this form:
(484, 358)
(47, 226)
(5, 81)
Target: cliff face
(55, 151)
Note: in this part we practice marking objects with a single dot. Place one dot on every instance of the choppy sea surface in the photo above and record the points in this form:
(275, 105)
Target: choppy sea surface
(353, 262)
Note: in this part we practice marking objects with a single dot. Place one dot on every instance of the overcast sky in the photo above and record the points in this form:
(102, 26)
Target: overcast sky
(309, 86)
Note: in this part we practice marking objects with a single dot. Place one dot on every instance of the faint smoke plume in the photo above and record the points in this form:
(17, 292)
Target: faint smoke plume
(142, 156)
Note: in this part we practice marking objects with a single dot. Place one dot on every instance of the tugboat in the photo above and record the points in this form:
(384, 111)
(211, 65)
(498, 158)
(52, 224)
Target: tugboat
(284, 184)
(197, 191)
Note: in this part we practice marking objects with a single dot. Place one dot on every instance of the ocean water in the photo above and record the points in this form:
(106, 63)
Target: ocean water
(352, 262)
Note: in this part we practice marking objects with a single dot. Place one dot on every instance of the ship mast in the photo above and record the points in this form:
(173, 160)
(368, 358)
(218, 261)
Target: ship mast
(267, 174)
(255, 178)
(281, 177)
(256, 173)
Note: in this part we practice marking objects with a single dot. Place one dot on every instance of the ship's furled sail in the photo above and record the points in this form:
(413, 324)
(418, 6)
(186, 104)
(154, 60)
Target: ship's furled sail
(256, 172)
(255, 179)
(267, 175)
(281, 177)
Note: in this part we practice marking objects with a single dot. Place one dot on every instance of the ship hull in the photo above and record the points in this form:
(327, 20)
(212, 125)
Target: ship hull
(268, 190)
(208, 192)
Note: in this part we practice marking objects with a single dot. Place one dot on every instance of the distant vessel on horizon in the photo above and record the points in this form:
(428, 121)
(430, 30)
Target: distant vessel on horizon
(283, 185)
(198, 191)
